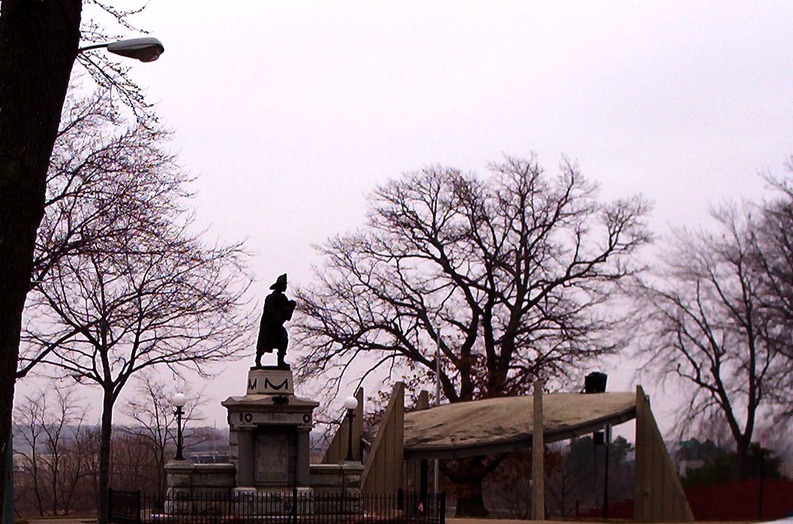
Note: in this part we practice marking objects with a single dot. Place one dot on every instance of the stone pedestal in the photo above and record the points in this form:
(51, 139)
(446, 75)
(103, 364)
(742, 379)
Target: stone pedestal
(269, 432)
(270, 380)
(186, 480)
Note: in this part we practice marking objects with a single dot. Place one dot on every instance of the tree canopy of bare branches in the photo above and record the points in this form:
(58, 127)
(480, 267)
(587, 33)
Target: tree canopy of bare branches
(505, 280)
(51, 427)
(155, 424)
(106, 179)
(715, 318)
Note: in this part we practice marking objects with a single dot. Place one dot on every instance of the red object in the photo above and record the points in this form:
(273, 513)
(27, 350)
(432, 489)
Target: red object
(724, 502)
(740, 500)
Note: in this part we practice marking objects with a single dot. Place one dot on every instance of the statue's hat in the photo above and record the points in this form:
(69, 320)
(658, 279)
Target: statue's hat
(280, 282)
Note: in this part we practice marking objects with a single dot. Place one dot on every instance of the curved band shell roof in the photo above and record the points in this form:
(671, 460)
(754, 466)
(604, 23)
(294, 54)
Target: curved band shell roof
(504, 424)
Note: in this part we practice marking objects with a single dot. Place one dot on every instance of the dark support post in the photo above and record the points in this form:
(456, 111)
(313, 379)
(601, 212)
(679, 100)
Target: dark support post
(351, 403)
(350, 416)
(423, 483)
(179, 414)
(442, 515)
(137, 507)
(110, 508)
(179, 400)
(762, 478)
(606, 475)
(294, 505)
(598, 438)
(538, 455)
(8, 495)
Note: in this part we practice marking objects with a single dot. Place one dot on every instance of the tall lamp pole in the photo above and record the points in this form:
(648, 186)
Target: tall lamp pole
(351, 403)
(179, 400)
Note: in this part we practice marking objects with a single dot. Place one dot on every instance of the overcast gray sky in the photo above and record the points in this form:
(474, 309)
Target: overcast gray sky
(289, 112)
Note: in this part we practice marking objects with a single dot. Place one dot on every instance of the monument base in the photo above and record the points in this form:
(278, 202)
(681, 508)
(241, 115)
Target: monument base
(269, 473)
(269, 432)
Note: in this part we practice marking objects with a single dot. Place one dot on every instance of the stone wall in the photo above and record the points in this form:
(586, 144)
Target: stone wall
(184, 476)
(336, 478)
(337, 487)
(188, 482)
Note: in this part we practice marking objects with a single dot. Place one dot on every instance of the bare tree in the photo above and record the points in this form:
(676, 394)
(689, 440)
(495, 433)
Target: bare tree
(505, 280)
(30, 418)
(155, 425)
(123, 283)
(49, 432)
(704, 324)
(773, 262)
(103, 317)
(107, 183)
(38, 46)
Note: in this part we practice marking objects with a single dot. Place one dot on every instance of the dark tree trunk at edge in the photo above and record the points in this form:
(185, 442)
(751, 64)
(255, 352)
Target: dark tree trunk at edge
(38, 45)
(104, 455)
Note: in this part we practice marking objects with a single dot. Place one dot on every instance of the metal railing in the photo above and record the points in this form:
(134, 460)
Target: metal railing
(299, 506)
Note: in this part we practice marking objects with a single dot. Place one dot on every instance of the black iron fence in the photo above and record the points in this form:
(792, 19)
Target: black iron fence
(271, 507)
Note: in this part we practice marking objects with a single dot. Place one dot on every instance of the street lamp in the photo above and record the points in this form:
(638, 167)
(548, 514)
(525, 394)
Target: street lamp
(350, 403)
(146, 49)
(179, 400)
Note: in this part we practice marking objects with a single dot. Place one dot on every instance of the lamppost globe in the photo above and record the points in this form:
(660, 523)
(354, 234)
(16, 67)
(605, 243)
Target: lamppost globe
(179, 400)
(350, 403)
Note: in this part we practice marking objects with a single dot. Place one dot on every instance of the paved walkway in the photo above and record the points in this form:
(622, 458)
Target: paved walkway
(39, 520)
(449, 520)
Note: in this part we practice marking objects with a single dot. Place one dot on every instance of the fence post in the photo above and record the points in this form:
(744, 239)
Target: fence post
(110, 505)
(137, 507)
(294, 505)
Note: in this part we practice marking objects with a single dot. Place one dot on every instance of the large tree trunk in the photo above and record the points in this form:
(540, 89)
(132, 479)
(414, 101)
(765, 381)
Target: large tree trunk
(104, 456)
(38, 45)
(740, 466)
(466, 475)
(470, 503)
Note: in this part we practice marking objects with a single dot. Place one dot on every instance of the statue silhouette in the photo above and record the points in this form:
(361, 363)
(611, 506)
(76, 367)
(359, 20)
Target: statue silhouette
(272, 334)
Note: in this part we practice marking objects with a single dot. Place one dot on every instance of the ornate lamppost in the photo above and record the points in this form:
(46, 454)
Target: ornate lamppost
(179, 400)
(351, 403)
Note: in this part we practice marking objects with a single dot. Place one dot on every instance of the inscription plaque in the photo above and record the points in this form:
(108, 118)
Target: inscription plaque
(273, 450)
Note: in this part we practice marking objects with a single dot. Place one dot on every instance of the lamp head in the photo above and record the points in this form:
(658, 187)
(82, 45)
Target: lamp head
(179, 400)
(351, 403)
(146, 49)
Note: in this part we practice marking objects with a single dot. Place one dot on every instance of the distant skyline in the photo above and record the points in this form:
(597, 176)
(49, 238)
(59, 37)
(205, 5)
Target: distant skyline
(290, 113)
